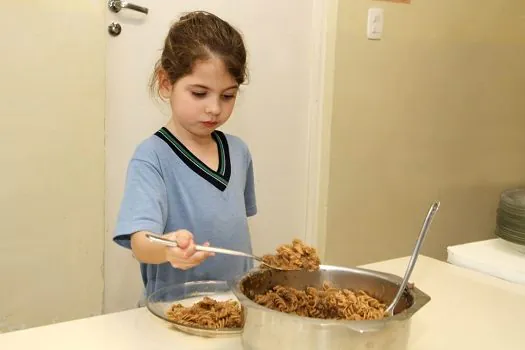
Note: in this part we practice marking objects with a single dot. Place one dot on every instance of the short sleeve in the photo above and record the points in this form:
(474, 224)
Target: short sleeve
(249, 190)
(144, 205)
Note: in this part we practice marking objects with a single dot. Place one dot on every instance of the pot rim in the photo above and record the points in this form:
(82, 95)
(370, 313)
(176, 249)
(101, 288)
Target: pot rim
(420, 299)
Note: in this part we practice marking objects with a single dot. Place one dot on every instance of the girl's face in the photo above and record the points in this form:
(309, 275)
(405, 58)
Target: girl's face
(203, 100)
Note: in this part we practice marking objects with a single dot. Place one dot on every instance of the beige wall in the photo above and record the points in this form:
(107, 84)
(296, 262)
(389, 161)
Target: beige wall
(435, 110)
(52, 161)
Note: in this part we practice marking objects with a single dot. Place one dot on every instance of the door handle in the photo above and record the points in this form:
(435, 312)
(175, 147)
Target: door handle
(117, 5)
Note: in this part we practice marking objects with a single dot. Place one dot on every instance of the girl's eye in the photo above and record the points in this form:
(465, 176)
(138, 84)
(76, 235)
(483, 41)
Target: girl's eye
(198, 94)
(228, 97)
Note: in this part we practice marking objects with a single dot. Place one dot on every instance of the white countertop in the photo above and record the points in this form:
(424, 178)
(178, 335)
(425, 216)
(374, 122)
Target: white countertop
(489, 317)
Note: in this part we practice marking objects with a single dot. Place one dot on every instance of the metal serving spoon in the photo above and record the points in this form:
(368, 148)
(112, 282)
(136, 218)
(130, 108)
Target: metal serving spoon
(167, 242)
(426, 224)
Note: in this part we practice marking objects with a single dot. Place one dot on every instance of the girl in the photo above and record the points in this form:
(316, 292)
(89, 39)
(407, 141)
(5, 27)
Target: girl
(189, 181)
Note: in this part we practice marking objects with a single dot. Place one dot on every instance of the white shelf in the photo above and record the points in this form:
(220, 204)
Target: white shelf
(494, 257)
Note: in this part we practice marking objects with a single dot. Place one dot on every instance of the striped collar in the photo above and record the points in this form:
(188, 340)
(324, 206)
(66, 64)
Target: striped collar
(218, 178)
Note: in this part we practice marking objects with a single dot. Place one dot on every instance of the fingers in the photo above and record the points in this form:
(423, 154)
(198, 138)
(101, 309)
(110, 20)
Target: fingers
(187, 263)
(190, 250)
(207, 244)
(182, 266)
(183, 238)
(199, 257)
(185, 256)
(185, 241)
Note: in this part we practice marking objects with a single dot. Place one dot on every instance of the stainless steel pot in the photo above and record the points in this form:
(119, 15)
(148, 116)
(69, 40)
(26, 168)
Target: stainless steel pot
(265, 328)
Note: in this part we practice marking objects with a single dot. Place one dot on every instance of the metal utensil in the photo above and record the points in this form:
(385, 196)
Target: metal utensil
(167, 242)
(426, 224)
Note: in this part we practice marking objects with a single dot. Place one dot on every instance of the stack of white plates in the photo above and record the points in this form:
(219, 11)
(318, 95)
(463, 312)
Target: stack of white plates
(510, 219)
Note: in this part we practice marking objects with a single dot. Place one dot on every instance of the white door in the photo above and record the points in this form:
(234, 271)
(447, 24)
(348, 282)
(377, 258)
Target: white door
(274, 114)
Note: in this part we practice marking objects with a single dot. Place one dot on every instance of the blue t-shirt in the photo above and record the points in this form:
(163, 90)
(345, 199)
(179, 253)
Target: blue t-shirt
(168, 189)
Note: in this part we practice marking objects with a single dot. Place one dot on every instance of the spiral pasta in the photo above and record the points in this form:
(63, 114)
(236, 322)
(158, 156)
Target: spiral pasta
(295, 256)
(208, 313)
(325, 303)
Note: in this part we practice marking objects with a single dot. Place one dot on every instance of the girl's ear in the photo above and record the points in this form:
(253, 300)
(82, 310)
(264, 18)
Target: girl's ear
(165, 85)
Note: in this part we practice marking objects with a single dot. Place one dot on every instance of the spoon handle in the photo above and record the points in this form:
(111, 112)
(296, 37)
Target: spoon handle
(433, 209)
(224, 251)
(167, 242)
(160, 240)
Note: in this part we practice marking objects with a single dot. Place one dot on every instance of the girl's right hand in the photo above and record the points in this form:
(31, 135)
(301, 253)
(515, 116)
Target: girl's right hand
(184, 256)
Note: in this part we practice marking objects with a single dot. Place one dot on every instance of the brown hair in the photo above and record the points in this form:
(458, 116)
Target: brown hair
(197, 36)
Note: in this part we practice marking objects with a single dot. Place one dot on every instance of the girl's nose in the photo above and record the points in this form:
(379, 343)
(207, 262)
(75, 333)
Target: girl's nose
(213, 108)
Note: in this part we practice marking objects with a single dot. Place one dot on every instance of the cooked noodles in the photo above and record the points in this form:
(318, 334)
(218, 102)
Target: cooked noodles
(295, 256)
(207, 313)
(325, 303)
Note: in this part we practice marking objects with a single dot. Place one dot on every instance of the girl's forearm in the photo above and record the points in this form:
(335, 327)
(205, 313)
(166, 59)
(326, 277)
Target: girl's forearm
(145, 251)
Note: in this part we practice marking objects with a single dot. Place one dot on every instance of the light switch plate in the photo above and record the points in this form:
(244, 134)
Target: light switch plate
(375, 22)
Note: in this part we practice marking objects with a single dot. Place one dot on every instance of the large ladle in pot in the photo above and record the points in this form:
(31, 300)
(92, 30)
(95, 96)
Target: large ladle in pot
(426, 224)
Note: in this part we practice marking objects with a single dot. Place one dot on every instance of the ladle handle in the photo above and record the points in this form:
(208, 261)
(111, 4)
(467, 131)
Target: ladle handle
(167, 242)
(433, 209)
